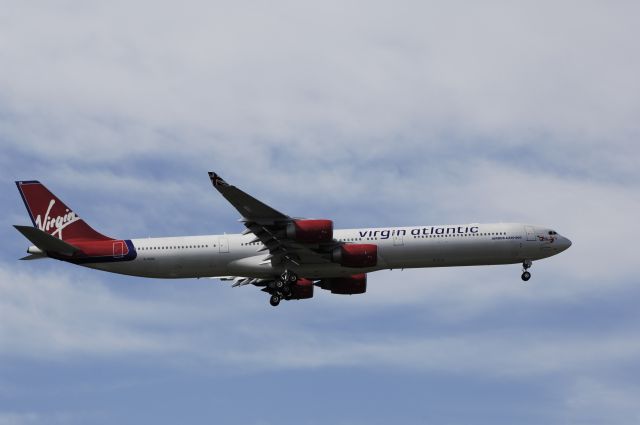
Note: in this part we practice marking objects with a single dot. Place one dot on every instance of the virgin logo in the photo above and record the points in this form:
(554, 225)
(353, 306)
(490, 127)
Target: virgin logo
(55, 223)
(549, 239)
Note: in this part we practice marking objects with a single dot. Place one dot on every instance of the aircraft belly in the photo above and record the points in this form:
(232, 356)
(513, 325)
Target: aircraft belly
(163, 267)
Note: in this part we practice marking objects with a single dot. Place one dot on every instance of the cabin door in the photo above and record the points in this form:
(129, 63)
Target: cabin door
(531, 234)
(223, 243)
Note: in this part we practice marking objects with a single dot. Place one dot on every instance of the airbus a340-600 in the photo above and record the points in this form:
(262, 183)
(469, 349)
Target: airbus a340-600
(285, 256)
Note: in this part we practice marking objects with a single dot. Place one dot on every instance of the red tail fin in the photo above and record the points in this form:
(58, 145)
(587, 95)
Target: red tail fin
(51, 215)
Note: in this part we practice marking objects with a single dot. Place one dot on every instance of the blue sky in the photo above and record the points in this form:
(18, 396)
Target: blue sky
(368, 113)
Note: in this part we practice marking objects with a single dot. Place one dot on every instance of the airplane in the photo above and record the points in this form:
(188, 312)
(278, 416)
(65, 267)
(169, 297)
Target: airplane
(285, 256)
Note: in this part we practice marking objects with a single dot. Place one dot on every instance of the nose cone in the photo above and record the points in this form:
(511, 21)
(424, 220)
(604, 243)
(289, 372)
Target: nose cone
(565, 243)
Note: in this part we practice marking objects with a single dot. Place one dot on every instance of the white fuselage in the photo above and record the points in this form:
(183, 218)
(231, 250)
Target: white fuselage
(399, 247)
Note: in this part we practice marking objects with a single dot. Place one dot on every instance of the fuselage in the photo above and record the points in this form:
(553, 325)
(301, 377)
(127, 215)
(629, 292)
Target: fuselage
(398, 248)
(286, 256)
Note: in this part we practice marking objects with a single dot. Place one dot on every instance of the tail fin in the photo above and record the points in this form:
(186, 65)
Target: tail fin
(52, 216)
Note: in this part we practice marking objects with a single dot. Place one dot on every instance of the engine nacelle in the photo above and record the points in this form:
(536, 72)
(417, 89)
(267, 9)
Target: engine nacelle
(356, 255)
(302, 289)
(356, 284)
(310, 231)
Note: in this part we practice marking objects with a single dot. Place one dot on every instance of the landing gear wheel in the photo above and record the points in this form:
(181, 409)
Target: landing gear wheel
(526, 276)
(279, 284)
(286, 290)
(274, 300)
(289, 276)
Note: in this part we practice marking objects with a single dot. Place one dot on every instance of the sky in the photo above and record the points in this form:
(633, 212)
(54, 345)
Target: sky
(369, 113)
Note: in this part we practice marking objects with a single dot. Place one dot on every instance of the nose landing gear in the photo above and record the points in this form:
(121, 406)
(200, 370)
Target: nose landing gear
(526, 264)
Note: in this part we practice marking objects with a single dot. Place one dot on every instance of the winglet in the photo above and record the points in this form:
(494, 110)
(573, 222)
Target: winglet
(216, 180)
(251, 209)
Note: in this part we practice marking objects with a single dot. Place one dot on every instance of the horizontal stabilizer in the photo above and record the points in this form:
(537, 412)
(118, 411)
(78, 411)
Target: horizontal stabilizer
(34, 257)
(45, 241)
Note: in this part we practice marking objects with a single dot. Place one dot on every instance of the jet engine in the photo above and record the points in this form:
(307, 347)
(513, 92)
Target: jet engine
(356, 284)
(302, 289)
(310, 231)
(356, 255)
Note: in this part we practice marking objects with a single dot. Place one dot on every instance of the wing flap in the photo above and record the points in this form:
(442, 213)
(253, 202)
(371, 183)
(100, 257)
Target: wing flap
(242, 281)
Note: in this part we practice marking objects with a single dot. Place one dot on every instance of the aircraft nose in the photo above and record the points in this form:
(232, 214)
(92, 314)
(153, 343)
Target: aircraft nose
(566, 243)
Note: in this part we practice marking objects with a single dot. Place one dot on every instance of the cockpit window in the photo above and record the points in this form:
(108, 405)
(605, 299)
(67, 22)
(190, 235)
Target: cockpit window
(551, 232)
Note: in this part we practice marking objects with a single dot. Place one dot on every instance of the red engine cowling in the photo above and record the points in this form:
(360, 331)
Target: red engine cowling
(356, 255)
(356, 284)
(310, 231)
(302, 289)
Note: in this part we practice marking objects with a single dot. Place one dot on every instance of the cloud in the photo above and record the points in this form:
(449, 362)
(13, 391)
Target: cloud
(54, 418)
(402, 111)
(230, 77)
(368, 113)
(19, 418)
(57, 317)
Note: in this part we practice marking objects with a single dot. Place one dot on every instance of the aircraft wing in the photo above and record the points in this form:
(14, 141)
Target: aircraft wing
(249, 207)
(269, 226)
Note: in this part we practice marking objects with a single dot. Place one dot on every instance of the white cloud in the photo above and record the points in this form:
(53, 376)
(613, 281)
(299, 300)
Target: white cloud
(495, 354)
(54, 313)
(333, 80)
(369, 113)
(52, 316)
(380, 106)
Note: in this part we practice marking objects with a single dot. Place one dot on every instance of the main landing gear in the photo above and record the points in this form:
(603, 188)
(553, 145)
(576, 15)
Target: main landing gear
(526, 264)
(281, 288)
